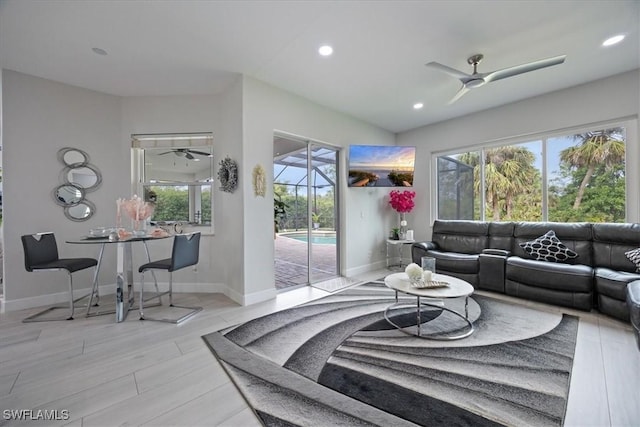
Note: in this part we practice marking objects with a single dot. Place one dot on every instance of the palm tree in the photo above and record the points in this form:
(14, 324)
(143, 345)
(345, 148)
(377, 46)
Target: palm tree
(508, 173)
(603, 147)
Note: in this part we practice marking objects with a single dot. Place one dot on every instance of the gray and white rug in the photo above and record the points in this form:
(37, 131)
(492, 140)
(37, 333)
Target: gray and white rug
(337, 362)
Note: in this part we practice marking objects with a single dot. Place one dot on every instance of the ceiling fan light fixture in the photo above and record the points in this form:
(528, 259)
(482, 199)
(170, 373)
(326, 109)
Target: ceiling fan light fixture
(477, 79)
(471, 84)
(613, 40)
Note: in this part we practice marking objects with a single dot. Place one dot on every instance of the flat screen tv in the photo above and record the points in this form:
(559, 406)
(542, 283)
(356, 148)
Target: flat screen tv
(381, 166)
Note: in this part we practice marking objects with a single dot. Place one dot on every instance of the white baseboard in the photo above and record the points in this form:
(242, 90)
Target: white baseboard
(252, 298)
(378, 265)
(62, 298)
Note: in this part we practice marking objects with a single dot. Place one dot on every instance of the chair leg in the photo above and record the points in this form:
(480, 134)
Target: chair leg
(70, 307)
(141, 298)
(155, 279)
(193, 310)
(70, 296)
(170, 289)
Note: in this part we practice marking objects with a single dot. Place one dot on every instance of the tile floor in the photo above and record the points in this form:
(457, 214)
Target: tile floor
(157, 374)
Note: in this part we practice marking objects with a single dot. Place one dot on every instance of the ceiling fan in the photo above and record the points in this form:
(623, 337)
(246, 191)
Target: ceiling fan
(475, 80)
(185, 152)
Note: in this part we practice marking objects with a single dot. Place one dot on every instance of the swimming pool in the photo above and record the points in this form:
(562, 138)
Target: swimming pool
(323, 239)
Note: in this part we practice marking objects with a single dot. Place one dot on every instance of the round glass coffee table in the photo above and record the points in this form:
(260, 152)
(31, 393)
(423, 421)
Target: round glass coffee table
(429, 297)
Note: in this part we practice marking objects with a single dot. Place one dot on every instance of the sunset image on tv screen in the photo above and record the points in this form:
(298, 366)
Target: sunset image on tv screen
(381, 166)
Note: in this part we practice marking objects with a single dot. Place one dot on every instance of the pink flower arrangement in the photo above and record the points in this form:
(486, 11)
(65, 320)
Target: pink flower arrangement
(135, 208)
(402, 201)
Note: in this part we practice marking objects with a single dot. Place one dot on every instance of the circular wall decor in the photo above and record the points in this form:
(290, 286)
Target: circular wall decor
(73, 157)
(79, 177)
(80, 212)
(87, 176)
(68, 194)
(228, 175)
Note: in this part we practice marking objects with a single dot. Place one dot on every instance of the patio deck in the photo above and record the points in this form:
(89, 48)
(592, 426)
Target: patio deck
(291, 262)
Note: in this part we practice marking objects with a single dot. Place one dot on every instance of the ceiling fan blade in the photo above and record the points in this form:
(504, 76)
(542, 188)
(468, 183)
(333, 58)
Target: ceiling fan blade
(166, 152)
(451, 71)
(201, 153)
(524, 68)
(458, 95)
(189, 155)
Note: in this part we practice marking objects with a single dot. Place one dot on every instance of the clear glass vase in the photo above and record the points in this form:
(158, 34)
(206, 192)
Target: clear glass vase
(403, 227)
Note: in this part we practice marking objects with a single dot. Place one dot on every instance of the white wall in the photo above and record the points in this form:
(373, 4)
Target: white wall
(188, 114)
(601, 101)
(39, 118)
(227, 248)
(42, 116)
(267, 109)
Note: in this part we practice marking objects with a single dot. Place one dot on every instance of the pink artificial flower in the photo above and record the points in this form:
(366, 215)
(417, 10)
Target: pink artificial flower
(402, 201)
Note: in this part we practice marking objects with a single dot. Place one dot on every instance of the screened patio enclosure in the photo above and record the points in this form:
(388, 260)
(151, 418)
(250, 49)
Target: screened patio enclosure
(306, 240)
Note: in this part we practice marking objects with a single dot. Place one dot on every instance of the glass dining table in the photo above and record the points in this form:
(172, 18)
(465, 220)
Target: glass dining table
(124, 269)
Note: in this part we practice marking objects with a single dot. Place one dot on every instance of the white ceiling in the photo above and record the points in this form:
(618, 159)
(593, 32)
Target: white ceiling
(376, 73)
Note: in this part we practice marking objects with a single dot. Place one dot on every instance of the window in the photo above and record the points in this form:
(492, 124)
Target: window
(570, 177)
(176, 173)
(456, 196)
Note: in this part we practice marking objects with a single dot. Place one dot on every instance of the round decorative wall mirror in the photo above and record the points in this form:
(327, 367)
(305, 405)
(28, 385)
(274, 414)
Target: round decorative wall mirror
(73, 157)
(79, 177)
(87, 176)
(80, 212)
(68, 194)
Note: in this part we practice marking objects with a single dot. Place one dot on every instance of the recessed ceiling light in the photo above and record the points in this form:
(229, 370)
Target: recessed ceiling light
(99, 51)
(325, 50)
(613, 40)
(418, 105)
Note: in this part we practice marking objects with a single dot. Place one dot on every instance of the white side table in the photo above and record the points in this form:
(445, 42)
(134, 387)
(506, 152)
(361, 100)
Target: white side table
(394, 250)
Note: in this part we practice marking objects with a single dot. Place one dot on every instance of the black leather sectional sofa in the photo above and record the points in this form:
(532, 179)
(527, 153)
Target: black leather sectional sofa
(489, 256)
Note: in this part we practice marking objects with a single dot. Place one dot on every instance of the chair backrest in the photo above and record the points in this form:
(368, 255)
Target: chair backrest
(186, 251)
(39, 249)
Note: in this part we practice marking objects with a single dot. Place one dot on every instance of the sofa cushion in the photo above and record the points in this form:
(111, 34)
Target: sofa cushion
(548, 248)
(634, 257)
(501, 235)
(633, 302)
(550, 275)
(613, 283)
(455, 262)
(577, 236)
(611, 241)
(467, 237)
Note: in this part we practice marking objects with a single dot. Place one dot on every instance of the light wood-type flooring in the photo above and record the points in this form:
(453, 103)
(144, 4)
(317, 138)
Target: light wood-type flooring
(156, 374)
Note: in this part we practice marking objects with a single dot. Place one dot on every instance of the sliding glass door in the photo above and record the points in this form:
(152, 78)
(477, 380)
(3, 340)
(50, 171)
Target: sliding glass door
(305, 212)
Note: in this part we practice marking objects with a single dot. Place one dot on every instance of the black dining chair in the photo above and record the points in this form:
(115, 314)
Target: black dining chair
(41, 254)
(185, 253)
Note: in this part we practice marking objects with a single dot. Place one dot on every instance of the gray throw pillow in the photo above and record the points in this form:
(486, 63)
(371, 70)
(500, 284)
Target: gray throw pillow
(634, 257)
(548, 248)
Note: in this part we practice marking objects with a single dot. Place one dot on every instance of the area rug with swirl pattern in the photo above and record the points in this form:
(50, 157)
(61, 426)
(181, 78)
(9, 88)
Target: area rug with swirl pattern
(336, 361)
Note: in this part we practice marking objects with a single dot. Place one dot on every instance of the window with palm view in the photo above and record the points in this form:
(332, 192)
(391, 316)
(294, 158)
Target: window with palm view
(572, 177)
